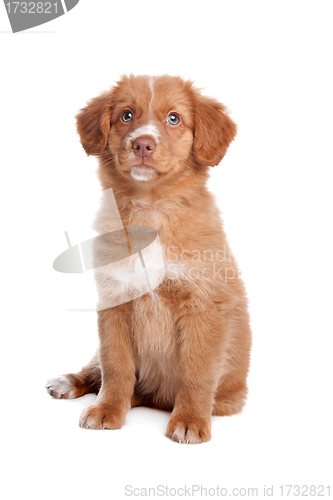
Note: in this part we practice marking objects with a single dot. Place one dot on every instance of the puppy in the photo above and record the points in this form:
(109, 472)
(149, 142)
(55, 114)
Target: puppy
(184, 347)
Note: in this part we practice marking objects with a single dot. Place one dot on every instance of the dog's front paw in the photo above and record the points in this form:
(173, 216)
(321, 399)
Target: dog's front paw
(189, 430)
(61, 388)
(101, 416)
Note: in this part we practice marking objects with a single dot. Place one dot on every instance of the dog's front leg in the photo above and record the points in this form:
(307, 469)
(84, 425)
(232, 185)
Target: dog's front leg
(118, 371)
(201, 353)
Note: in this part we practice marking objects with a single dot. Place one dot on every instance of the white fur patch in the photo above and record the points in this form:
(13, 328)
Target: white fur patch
(60, 387)
(151, 86)
(140, 174)
(128, 279)
(149, 129)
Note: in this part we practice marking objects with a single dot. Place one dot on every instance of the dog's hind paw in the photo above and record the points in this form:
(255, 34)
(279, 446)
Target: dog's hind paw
(61, 388)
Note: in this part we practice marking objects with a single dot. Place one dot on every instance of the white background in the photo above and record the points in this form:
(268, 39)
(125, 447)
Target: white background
(271, 64)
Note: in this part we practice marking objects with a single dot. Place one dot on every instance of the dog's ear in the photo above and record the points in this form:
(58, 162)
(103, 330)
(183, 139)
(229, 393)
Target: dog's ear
(213, 131)
(93, 124)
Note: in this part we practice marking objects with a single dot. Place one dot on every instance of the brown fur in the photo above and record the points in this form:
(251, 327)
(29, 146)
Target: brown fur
(184, 348)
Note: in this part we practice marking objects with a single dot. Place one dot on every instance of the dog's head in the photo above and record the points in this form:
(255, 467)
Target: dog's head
(154, 127)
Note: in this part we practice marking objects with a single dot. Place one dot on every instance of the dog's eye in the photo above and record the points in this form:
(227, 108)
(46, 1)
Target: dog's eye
(127, 116)
(173, 119)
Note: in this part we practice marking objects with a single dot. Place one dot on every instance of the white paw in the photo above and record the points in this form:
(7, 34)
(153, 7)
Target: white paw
(61, 388)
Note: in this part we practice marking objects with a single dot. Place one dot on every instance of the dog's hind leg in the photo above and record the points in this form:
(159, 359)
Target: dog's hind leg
(75, 385)
(229, 401)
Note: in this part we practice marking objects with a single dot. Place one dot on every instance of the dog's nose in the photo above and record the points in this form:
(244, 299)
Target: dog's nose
(143, 146)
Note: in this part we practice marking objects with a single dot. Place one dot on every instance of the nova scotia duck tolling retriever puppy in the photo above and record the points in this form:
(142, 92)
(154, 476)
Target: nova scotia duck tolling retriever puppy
(184, 346)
